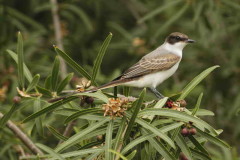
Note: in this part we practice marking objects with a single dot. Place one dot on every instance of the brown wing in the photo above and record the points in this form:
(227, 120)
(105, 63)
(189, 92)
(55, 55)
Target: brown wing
(151, 65)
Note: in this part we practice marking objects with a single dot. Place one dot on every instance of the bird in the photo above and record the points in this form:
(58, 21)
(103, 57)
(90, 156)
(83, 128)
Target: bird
(153, 68)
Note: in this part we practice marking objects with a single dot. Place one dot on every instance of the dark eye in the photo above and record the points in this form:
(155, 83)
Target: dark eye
(178, 38)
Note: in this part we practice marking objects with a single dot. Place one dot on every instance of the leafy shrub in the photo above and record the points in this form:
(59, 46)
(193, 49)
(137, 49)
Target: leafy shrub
(105, 127)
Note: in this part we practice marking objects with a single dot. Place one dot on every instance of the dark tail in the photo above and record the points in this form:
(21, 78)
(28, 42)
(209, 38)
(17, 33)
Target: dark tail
(105, 86)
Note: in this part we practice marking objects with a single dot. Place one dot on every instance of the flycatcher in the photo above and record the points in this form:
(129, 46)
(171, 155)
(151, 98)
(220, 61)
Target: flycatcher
(155, 67)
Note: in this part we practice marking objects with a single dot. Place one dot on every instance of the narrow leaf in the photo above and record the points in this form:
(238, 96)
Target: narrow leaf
(75, 138)
(118, 154)
(196, 108)
(197, 144)
(156, 131)
(196, 81)
(48, 82)
(38, 120)
(60, 136)
(100, 56)
(21, 78)
(27, 73)
(178, 116)
(8, 115)
(119, 136)
(49, 108)
(73, 64)
(50, 151)
(44, 91)
(64, 82)
(108, 141)
(213, 139)
(33, 83)
(55, 71)
(183, 146)
(200, 155)
(135, 113)
(143, 138)
(82, 112)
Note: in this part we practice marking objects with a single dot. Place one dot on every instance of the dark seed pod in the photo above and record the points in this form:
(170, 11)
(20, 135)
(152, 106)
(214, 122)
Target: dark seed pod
(185, 132)
(182, 157)
(182, 103)
(193, 131)
(89, 100)
(16, 99)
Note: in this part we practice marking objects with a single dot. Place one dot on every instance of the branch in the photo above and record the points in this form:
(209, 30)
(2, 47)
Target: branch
(23, 137)
(58, 34)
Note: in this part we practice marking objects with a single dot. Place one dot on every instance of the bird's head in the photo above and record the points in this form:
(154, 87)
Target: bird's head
(178, 40)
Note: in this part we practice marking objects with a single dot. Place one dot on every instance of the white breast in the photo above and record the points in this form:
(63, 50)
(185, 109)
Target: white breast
(154, 79)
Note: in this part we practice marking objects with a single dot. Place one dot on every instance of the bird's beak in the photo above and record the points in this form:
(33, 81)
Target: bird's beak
(190, 41)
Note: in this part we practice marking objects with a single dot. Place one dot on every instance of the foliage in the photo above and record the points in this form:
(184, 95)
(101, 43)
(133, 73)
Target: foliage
(138, 27)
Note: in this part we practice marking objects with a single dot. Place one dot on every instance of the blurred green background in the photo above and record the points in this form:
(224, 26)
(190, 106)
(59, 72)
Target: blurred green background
(138, 26)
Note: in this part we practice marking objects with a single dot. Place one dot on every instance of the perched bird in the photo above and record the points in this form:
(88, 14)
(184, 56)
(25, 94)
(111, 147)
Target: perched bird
(155, 67)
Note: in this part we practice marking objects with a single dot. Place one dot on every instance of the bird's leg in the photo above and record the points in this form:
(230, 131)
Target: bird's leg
(157, 94)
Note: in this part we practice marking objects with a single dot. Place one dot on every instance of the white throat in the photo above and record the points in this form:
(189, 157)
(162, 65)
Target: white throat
(174, 48)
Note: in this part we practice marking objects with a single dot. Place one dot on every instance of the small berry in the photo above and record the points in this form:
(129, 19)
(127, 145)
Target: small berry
(182, 157)
(16, 99)
(185, 132)
(182, 103)
(193, 131)
(89, 100)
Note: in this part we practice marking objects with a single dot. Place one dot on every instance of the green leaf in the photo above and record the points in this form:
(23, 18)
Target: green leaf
(200, 155)
(101, 53)
(60, 136)
(38, 120)
(195, 82)
(108, 141)
(50, 151)
(143, 138)
(8, 115)
(120, 132)
(50, 108)
(118, 154)
(197, 144)
(68, 154)
(33, 83)
(44, 91)
(213, 139)
(75, 138)
(159, 104)
(155, 130)
(55, 71)
(73, 64)
(64, 82)
(178, 116)
(27, 73)
(47, 83)
(196, 108)
(131, 155)
(137, 107)
(82, 112)
(183, 146)
(56, 133)
(158, 10)
(21, 78)
(160, 147)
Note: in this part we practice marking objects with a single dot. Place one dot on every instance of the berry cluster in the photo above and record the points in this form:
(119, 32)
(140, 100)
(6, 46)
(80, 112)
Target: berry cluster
(188, 129)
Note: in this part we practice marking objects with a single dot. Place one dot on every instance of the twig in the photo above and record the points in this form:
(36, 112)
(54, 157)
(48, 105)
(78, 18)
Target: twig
(68, 129)
(23, 137)
(58, 34)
